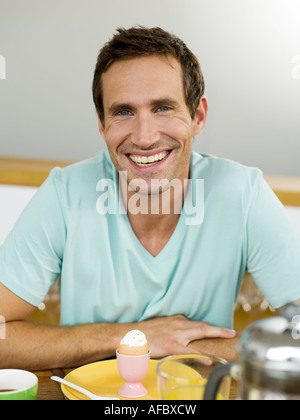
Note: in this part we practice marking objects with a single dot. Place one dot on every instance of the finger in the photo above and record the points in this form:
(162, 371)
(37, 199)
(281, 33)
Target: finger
(208, 331)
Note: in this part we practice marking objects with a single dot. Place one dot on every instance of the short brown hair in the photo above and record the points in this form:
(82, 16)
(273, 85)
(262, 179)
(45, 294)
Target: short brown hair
(140, 41)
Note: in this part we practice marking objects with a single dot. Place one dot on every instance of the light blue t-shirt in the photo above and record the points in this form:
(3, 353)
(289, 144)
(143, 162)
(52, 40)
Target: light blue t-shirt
(108, 276)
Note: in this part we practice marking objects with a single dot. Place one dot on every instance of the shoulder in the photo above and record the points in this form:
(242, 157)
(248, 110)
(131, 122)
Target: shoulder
(84, 175)
(76, 184)
(227, 183)
(95, 167)
(224, 173)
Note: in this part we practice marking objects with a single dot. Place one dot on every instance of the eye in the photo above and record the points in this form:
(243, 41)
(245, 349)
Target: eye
(163, 108)
(124, 113)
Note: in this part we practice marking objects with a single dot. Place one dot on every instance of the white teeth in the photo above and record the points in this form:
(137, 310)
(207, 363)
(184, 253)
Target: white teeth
(146, 160)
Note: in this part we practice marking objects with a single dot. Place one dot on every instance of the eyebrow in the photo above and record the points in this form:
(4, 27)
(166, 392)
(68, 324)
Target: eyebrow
(116, 107)
(119, 106)
(165, 101)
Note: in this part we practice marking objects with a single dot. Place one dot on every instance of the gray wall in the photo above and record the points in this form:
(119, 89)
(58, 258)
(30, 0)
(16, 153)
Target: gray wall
(249, 51)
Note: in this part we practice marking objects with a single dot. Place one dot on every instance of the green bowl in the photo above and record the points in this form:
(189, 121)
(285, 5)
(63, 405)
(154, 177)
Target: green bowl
(18, 384)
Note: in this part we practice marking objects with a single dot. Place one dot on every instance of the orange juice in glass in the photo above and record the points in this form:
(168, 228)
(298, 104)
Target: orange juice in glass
(183, 377)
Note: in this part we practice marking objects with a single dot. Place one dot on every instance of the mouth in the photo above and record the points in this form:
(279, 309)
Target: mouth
(149, 160)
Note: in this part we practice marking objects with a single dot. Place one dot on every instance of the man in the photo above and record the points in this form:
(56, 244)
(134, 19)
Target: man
(127, 230)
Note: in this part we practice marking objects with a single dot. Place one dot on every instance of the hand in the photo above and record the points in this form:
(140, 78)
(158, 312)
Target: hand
(172, 334)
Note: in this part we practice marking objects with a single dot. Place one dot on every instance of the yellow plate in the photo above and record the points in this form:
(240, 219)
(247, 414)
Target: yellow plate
(103, 378)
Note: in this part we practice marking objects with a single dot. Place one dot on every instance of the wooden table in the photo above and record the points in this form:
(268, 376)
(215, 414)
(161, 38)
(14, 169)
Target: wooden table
(50, 390)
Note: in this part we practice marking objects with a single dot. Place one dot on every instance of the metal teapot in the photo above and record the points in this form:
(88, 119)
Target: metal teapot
(269, 366)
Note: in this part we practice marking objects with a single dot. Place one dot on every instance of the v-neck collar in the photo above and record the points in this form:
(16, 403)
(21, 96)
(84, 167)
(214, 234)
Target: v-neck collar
(174, 239)
(179, 231)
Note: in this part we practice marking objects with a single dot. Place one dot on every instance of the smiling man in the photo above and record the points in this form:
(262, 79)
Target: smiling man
(148, 129)
(158, 267)
(147, 125)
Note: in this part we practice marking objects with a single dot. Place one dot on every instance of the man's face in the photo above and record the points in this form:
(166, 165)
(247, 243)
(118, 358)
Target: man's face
(148, 128)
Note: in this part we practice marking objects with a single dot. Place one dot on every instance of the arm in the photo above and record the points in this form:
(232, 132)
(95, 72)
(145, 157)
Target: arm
(226, 349)
(273, 248)
(36, 347)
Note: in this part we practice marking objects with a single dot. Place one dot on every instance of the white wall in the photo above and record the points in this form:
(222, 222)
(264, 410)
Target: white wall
(13, 200)
(294, 214)
(249, 51)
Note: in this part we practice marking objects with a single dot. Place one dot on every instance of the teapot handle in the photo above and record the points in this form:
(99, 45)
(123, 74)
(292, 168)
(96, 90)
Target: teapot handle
(218, 374)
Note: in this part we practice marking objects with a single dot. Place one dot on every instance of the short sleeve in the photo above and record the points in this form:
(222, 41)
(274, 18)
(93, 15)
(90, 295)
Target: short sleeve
(273, 247)
(31, 257)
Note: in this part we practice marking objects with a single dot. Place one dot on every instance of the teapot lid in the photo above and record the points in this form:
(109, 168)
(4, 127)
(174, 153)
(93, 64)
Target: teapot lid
(273, 344)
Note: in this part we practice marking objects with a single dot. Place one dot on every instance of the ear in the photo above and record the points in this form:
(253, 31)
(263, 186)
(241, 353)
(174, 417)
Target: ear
(100, 126)
(200, 118)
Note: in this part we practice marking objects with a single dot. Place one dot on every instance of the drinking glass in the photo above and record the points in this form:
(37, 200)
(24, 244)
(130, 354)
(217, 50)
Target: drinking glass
(183, 377)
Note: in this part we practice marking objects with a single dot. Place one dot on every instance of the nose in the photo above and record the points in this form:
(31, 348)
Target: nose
(145, 130)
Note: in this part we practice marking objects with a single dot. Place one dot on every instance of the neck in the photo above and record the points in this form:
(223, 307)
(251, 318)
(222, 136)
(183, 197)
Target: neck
(154, 217)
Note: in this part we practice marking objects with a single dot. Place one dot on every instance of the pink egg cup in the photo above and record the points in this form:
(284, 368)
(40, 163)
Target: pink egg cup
(133, 369)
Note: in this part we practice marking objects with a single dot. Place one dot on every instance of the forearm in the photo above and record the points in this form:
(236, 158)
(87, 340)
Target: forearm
(36, 346)
(226, 349)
